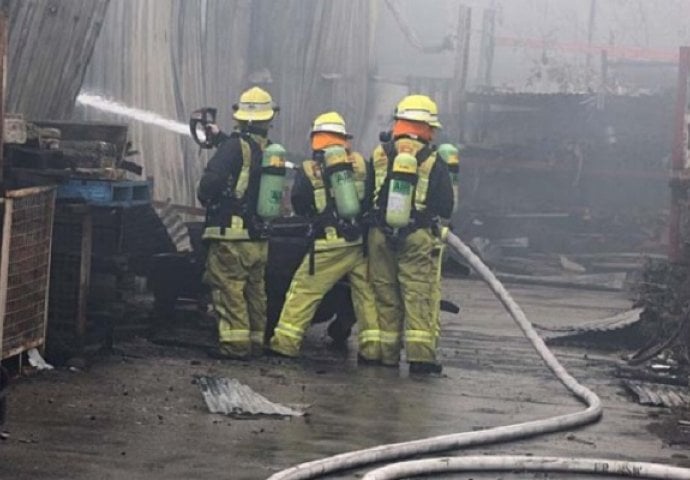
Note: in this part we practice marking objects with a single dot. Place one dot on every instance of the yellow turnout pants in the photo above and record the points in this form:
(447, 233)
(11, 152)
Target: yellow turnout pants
(306, 292)
(406, 284)
(235, 273)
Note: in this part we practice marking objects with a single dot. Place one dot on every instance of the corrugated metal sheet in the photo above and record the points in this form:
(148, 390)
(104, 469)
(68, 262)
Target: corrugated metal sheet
(659, 394)
(230, 397)
(50, 44)
(173, 57)
(609, 324)
(318, 56)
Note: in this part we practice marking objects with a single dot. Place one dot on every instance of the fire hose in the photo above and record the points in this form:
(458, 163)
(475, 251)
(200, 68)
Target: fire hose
(397, 451)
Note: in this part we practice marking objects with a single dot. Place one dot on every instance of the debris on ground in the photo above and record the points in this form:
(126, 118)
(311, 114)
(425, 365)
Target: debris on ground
(656, 394)
(614, 281)
(614, 322)
(37, 361)
(672, 376)
(611, 332)
(619, 331)
(664, 293)
(230, 397)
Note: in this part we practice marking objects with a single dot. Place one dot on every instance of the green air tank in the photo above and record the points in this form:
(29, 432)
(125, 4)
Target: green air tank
(341, 179)
(401, 190)
(450, 154)
(272, 182)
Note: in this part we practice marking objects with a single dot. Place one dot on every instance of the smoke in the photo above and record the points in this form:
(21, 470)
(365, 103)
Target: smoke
(150, 118)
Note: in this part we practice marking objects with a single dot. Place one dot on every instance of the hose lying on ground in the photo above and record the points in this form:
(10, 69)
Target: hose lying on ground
(396, 451)
(509, 463)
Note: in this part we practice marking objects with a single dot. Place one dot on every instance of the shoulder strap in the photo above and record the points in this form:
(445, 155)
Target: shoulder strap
(423, 175)
(314, 173)
(242, 182)
(382, 157)
(359, 169)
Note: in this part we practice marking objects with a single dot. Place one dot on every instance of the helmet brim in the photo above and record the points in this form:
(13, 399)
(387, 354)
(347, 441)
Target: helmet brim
(253, 116)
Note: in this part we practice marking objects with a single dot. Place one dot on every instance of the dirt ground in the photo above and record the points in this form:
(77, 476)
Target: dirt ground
(139, 414)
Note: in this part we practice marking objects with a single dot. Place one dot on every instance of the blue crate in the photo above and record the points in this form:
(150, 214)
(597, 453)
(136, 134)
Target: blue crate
(115, 193)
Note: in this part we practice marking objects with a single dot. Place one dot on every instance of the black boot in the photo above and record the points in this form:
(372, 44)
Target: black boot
(425, 368)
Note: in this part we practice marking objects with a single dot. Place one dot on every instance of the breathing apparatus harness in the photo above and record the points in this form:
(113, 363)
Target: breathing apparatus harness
(331, 172)
(406, 177)
(255, 195)
(336, 177)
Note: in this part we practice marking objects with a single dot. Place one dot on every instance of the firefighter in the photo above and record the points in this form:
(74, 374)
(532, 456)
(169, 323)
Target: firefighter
(411, 194)
(234, 230)
(330, 190)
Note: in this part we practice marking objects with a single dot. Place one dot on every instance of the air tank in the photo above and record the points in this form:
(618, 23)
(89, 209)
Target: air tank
(401, 188)
(341, 179)
(271, 182)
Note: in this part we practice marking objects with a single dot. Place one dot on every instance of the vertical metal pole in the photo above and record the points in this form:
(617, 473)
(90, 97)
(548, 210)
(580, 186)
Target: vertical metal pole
(5, 265)
(462, 53)
(84, 276)
(679, 175)
(486, 49)
(604, 70)
(51, 194)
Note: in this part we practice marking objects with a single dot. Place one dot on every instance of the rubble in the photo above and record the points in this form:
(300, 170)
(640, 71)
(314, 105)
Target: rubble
(664, 293)
(600, 281)
(581, 331)
(670, 396)
(230, 397)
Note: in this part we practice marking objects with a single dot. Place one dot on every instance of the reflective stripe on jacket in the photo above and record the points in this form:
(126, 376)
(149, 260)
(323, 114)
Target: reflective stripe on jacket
(227, 217)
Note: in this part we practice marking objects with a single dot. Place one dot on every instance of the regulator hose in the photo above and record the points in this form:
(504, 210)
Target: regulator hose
(396, 451)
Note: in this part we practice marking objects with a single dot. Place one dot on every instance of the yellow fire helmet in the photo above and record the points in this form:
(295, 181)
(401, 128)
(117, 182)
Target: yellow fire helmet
(433, 112)
(416, 108)
(255, 105)
(331, 122)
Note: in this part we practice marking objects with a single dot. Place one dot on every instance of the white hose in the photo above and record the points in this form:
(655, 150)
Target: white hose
(395, 451)
(511, 463)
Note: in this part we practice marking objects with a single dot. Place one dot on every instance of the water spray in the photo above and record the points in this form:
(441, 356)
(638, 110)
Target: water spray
(198, 128)
(150, 118)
